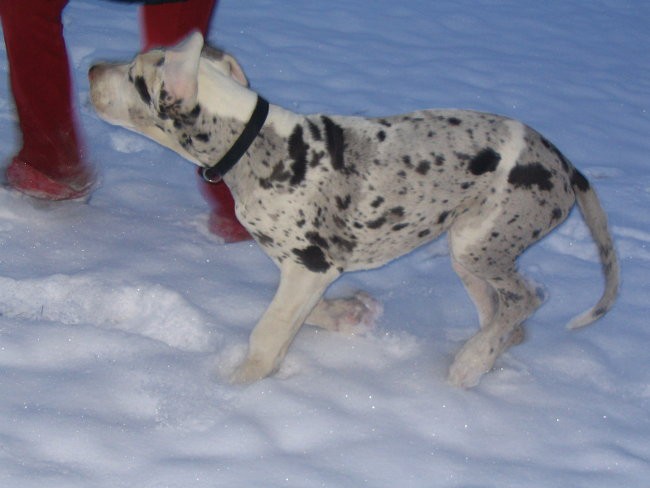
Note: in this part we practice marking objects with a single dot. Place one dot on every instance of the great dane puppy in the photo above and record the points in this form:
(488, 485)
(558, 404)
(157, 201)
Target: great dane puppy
(324, 194)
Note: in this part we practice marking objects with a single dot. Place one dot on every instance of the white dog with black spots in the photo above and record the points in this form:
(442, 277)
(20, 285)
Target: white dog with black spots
(326, 194)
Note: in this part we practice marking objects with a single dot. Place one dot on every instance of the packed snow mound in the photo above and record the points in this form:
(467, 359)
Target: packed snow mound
(147, 309)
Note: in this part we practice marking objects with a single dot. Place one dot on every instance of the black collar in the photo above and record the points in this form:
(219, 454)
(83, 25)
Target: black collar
(213, 174)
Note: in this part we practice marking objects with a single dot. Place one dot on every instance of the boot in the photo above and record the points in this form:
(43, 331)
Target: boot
(50, 163)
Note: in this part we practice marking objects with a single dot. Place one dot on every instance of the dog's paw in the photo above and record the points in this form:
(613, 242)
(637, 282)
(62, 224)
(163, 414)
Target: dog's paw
(250, 371)
(474, 360)
(360, 314)
(462, 376)
(353, 315)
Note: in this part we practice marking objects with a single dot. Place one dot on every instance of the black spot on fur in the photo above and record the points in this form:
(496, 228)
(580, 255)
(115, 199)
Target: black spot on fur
(316, 156)
(143, 91)
(381, 136)
(423, 167)
(298, 152)
(579, 181)
(344, 244)
(399, 226)
(317, 240)
(185, 140)
(599, 312)
(202, 136)
(377, 223)
(314, 130)
(511, 296)
(454, 121)
(424, 233)
(442, 217)
(313, 258)
(485, 161)
(279, 173)
(528, 175)
(194, 113)
(343, 203)
(397, 211)
(263, 239)
(265, 183)
(170, 108)
(335, 143)
(556, 214)
(377, 202)
(549, 145)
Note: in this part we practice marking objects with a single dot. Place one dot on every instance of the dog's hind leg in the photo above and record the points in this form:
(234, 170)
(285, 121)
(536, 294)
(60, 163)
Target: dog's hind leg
(299, 291)
(480, 291)
(504, 306)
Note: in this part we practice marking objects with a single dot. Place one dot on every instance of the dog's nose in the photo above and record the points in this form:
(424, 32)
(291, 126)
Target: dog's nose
(92, 72)
(97, 71)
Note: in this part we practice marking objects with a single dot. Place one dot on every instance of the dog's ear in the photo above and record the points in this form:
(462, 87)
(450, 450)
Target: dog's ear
(236, 71)
(180, 71)
(224, 60)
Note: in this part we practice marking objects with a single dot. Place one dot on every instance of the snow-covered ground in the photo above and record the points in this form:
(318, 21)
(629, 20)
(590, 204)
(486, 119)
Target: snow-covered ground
(120, 317)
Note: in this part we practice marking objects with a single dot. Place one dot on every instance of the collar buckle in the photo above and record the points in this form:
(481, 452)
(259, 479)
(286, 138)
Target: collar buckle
(215, 173)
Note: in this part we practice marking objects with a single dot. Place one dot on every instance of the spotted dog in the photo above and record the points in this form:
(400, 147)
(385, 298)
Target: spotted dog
(324, 194)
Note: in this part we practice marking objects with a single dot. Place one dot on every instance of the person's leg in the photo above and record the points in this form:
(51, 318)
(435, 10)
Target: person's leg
(50, 163)
(166, 24)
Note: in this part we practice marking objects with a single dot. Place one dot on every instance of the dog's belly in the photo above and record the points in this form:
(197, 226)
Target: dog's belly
(376, 228)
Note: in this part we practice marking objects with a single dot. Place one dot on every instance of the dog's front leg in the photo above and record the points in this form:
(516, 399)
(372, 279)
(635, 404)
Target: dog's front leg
(298, 293)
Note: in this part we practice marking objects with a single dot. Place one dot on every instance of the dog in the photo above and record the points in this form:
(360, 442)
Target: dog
(324, 194)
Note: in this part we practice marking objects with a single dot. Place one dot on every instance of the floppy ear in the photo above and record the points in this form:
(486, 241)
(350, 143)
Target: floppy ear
(180, 71)
(236, 71)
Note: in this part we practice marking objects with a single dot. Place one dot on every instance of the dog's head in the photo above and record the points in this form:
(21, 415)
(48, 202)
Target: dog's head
(157, 86)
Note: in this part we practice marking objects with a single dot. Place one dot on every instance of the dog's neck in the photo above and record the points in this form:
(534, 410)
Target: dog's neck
(241, 145)
(222, 96)
(227, 99)
(229, 108)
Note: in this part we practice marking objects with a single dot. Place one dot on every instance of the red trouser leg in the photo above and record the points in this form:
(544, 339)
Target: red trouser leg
(164, 25)
(41, 84)
(167, 23)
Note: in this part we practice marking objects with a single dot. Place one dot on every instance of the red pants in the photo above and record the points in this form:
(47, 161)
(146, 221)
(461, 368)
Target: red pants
(167, 23)
(40, 73)
(41, 82)
(41, 85)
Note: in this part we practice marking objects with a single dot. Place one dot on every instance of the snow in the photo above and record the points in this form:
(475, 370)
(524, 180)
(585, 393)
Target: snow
(122, 317)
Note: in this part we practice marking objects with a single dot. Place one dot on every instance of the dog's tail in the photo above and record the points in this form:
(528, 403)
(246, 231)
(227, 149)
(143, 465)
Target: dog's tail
(596, 220)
